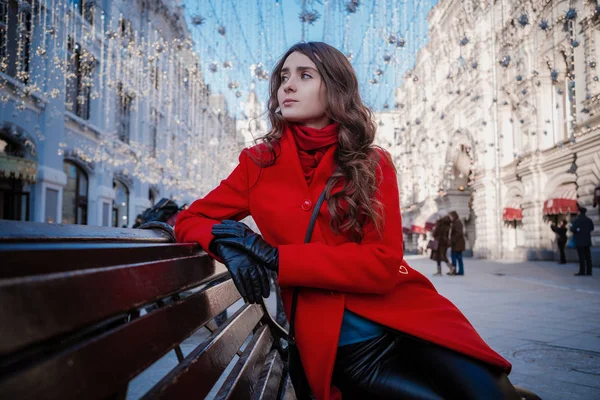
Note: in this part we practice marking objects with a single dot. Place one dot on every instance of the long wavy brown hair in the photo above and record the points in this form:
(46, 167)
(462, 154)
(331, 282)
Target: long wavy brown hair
(356, 156)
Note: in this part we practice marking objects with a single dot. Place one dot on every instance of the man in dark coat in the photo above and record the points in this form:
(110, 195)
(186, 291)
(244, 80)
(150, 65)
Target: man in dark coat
(561, 239)
(582, 228)
(457, 242)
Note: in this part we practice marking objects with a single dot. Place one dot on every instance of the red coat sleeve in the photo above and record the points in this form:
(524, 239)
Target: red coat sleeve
(369, 267)
(229, 200)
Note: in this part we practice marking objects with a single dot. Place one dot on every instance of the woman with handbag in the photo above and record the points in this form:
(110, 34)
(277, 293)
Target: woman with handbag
(439, 247)
(326, 200)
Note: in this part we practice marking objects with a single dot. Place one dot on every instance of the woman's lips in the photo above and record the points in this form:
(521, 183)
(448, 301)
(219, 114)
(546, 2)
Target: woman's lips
(288, 103)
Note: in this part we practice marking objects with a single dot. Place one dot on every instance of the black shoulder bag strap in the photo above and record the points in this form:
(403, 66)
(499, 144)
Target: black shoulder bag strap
(311, 226)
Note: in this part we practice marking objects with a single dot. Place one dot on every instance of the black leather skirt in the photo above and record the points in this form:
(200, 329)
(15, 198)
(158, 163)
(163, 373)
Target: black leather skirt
(399, 366)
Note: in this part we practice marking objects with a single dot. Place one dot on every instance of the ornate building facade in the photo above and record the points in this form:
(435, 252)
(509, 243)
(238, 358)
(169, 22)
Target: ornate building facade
(103, 111)
(500, 120)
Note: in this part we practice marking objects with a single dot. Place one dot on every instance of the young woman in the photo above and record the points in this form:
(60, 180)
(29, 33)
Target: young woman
(366, 322)
(441, 233)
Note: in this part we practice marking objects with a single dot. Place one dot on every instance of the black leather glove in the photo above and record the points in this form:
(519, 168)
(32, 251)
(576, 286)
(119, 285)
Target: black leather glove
(239, 235)
(250, 278)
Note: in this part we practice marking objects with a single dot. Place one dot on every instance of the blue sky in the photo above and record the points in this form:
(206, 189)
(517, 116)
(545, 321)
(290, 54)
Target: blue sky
(260, 31)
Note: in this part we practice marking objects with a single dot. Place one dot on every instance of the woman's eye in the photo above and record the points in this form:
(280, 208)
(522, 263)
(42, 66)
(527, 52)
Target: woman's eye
(306, 75)
(283, 78)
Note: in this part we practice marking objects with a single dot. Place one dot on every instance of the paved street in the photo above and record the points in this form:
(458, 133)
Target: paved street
(539, 316)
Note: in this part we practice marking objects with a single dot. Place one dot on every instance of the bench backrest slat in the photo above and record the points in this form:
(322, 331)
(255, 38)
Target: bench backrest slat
(25, 259)
(209, 359)
(39, 232)
(246, 371)
(270, 378)
(88, 296)
(118, 355)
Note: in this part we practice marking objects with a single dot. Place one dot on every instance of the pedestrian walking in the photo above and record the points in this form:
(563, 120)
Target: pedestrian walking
(582, 228)
(364, 320)
(439, 247)
(457, 242)
(421, 244)
(561, 239)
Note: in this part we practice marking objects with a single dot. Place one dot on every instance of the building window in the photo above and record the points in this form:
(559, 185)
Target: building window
(85, 8)
(14, 201)
(156, 118)
(120, 205)
(79, 80)
(155, 73)
(126, 30)
(15, 38)
(75, 195)
(123, 120)
(14, 191)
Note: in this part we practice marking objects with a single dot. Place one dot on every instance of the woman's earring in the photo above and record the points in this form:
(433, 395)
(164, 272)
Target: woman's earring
(278, 110)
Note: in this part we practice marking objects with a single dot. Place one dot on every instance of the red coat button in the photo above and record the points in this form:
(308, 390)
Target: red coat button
(306, 205)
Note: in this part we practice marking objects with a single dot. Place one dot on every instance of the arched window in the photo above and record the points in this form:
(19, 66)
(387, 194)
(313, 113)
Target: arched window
(75, 195)
(120, 205)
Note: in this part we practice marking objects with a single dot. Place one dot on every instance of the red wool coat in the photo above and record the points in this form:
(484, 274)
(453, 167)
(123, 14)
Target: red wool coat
(371, 279)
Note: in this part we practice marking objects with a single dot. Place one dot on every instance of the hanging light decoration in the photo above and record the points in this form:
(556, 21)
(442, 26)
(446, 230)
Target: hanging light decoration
(222, 31)
(227, 64)
(505, 61)
(554, 75)
(544, 25)
(309, 16)
(523, 20)
(352, 6)
(401, 42)
(213, 67)
(198, 20)
(464, 41)
(387, 58)
(259, 71)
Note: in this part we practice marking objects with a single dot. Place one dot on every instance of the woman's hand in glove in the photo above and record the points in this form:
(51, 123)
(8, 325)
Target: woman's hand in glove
(250, 278)
(239, 235)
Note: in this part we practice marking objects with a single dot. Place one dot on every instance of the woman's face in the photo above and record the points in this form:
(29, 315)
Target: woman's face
(302, 95)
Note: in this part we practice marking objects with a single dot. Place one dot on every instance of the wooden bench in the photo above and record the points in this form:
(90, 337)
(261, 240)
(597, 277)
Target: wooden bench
(84, 310)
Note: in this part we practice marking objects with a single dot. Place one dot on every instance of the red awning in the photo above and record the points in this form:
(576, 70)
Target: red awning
(564, 202)
(429, 226)
(418, 229)
(512, 214)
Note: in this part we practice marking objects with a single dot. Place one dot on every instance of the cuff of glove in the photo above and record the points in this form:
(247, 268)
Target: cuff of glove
(213, 252)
